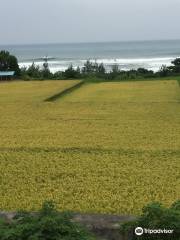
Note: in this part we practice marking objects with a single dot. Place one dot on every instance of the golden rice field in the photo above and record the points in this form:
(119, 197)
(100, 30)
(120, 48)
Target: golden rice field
(106, 147)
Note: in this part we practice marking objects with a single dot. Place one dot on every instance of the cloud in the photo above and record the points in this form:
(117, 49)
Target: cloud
(31, 21)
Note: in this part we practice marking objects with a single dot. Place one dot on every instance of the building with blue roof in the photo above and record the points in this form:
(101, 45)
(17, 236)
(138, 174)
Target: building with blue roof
(6, 75)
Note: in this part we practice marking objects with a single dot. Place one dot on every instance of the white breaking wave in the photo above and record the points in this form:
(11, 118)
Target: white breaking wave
(124, 64)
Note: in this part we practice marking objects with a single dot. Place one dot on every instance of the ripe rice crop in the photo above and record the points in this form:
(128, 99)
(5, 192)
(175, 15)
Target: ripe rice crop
(106, 147)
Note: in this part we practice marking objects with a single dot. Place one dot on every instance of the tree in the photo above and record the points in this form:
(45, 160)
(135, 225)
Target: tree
(176, 62)
(143, 71)
(9, 62)
(34, 71)
(101, 69)
(45, 71)
(58, 75)
(164, 71)
(71, 72)
(115, 72)
(78, 70)
(176, 67)
(89, 67)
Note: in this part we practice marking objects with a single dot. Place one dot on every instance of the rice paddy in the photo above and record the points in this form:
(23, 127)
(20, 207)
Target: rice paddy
(106, 147)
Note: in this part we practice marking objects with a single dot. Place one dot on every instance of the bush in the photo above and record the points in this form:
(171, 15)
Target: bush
(156, 216)
(47, 224)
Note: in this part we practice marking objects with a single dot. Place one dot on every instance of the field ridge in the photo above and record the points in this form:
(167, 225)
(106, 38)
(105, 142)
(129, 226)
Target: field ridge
(90, 150)
(64, 92)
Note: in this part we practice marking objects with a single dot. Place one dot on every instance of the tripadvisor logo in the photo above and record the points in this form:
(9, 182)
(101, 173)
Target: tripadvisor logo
(139, 231)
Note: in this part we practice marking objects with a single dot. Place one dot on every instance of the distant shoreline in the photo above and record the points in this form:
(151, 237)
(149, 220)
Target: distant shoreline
(88, 42)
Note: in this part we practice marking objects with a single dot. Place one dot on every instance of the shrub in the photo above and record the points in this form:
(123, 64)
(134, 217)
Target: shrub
(156, 216)
(47, 224)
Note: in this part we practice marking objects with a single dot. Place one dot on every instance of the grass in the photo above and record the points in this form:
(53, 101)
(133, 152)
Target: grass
(32, 91)
(106, 147)
(137, 79)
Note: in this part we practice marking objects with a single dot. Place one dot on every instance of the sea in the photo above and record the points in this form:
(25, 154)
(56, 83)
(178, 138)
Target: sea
(127, 55)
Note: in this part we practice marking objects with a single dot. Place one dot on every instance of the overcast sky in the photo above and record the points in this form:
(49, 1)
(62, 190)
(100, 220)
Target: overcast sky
(46, 21)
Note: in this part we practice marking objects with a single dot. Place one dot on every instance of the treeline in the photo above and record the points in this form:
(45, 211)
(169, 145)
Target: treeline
(90, 70)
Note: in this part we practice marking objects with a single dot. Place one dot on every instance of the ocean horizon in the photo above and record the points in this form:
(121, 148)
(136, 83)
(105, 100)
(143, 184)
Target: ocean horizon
(126, 54)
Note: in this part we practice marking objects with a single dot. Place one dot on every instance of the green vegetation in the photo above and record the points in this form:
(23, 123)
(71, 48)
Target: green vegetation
(8, 62)
(106, 147)
(90, 71)
(47, 224)
(156, 216)
(97, 71)
(35, 72)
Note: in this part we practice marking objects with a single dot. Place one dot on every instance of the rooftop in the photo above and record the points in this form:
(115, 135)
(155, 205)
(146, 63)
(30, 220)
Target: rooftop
(6, 73)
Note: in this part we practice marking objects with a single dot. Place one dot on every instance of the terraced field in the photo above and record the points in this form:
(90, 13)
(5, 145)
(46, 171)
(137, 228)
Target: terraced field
(106, 147)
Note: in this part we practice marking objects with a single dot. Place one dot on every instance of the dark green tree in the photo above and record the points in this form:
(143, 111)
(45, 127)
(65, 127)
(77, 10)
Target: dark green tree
(143, 71)
(176, 62)
(115, 72)
(34, 71)
(78, 70)
(176, 67)
(71, 73)
(89, 67)
(164, 71)
(9, 62)
(45, 71)
(101, 69)
(58, 75)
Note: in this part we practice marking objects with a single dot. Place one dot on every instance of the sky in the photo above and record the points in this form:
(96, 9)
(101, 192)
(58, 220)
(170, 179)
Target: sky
(66, 21)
